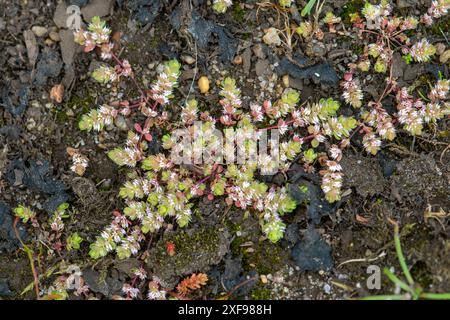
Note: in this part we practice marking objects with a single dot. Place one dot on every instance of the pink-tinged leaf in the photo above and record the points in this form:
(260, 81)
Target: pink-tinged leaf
(210, 197)
(89, 47)
(138, 127)
(348, 76)
(148, 137)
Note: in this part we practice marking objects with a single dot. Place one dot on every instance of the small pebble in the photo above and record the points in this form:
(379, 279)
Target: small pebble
(49, 42)
(188, 59)
(121, 123)
(54, 36)
(203, 84)
(237, 60)
(263, 279)
(39, 31)
(286, 81)
(271, 37)
(445, 56)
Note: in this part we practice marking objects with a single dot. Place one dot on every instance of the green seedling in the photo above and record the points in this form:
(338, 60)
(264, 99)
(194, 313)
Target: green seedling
(411, 290)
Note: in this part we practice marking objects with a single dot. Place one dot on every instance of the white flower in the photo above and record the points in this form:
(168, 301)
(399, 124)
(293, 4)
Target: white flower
(129, 290)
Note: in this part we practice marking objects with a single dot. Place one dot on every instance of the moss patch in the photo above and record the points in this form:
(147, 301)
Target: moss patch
(350, 8)
(195, 250)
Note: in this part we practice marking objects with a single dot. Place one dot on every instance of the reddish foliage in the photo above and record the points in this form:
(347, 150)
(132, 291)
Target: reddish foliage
(191, 283)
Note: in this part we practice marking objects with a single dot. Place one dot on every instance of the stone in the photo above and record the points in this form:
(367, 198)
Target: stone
(312, 253)
(121, 123)
(99, 8)
(188, 59)
(412, 71)
(271, 37)
(68, 46)
(262, 67)
(39, 31)
(196, 249)
(60, 15)
(316, 49)
(445, 56)
(258, 51)
(32, 47)
(247, 60)
(54, 36)
(49, 66)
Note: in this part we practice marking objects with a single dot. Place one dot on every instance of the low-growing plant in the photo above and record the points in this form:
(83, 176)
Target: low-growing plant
(387, 34)
(159, 187)
(50, 236)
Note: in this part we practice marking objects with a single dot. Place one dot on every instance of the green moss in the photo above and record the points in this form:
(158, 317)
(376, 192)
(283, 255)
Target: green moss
(421, 274)
(441, 25)
(235, 246)
(357, 49)
(238, 12)
(194, 251)
(85, 103)
(185, 244)
(260, 293)
(350, 8)
(61, 116)
(267, 258)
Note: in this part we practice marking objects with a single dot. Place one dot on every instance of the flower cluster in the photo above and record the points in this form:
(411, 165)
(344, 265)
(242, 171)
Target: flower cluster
(131, 154)
(375, 14)
(413, 113)
(230, 102)
(352, 92)
(70, 280)
(220, 6)
(50, 232)
(422, 51)
(119, 236)
(162, 88)
(438, 8)
(382, 123)
(56, 221)
(189, 112)
(104, 74)
(97, 35)
(332, 178)
(155, 292)
(79, 161)
(371, 142)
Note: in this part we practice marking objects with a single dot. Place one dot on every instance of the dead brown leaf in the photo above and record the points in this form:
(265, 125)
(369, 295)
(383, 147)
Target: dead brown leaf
(57, 93)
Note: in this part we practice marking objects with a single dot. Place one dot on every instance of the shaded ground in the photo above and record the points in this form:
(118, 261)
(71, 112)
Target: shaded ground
(401, 182)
